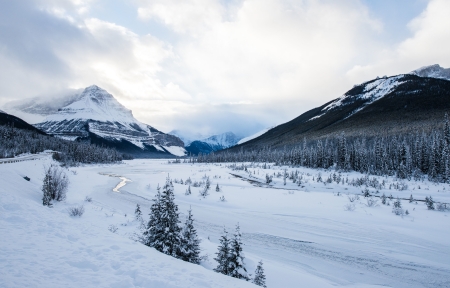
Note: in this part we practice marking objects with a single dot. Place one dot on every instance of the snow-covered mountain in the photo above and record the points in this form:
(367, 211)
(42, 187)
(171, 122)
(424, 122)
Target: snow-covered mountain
(433, 71)
(405, 103)
(213, 143)
(96, 115)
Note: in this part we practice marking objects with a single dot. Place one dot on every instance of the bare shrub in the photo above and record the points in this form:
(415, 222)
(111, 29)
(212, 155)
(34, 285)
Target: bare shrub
(398, 211)
(371, 202)
(55, 185)
(76, 211)
(113, 228)
(442, 207)
(349, 207)
(352, 198)
(88, 199)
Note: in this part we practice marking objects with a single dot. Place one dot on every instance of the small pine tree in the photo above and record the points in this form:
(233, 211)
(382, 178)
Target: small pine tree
(411, 199)
(170, 239)
(154, 229)
(383, 199)
(217, 188)
(189, 249)
(46, 189)
(222, 254)
(237, 268)
(260, 278)
(429, 202)
(188, 191)
(397, 203)
(138, 213)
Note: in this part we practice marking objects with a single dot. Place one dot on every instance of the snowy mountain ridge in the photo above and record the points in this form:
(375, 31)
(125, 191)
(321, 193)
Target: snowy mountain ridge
(97, 112)
(369, 91)
(213, 143)
(224, 140)
(433, 71)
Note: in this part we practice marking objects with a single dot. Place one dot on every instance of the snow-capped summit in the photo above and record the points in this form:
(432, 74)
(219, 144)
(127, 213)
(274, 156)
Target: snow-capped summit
(94, 103)
(433, 71)
(96, 115)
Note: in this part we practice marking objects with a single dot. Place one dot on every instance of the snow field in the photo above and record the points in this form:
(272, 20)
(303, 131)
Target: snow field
(303, 234)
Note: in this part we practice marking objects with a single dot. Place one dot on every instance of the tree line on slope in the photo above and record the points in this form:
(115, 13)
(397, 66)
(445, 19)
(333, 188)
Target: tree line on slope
(15, 141)
(163, 233)
(405, 156)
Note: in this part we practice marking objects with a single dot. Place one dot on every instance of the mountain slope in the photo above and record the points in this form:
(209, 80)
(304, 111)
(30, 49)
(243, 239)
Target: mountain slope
(213, 143)
(7, 119)
(398, 104)
(95, 115)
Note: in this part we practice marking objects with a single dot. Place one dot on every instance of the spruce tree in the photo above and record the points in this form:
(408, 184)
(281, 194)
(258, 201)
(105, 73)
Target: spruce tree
(138, 213)
(236, 256)
(223, 254)
(47, 190)
(260, 278)
(429, 202)
(170, 239)
(154, 230)
(217, 188)
(189, 249)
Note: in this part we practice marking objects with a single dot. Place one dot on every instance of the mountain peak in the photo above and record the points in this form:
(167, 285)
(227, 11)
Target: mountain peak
(97, 104)
(433, 71)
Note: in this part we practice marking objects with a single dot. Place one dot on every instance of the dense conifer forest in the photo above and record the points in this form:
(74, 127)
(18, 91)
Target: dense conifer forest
(15, 141)
(406, 156)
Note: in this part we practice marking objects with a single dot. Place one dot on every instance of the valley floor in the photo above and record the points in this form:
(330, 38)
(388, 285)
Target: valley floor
(304, 234)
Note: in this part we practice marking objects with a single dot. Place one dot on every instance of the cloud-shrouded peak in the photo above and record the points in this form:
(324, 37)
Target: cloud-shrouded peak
(94, 103)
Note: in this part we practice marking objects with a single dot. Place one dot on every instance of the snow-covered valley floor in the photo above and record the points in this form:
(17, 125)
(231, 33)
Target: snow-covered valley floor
(304, 234)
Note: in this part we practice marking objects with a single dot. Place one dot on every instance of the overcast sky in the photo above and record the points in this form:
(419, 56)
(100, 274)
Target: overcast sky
(212, 66)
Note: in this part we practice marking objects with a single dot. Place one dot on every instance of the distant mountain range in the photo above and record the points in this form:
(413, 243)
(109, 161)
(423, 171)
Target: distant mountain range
(206, 145)
(407, 103)
(95, 115)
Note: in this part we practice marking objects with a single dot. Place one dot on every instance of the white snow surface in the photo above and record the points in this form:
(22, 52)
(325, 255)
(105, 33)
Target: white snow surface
(253, 136)
(303, 234)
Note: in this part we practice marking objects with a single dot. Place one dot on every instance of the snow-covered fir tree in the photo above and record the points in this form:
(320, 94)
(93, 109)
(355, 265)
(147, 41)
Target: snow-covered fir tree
(46, 190)
(153, 232)
(223, 254)
(162, 231)
(260, 278)
(138, 213)
(170, 239)
(189, 249)
(236, 257)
